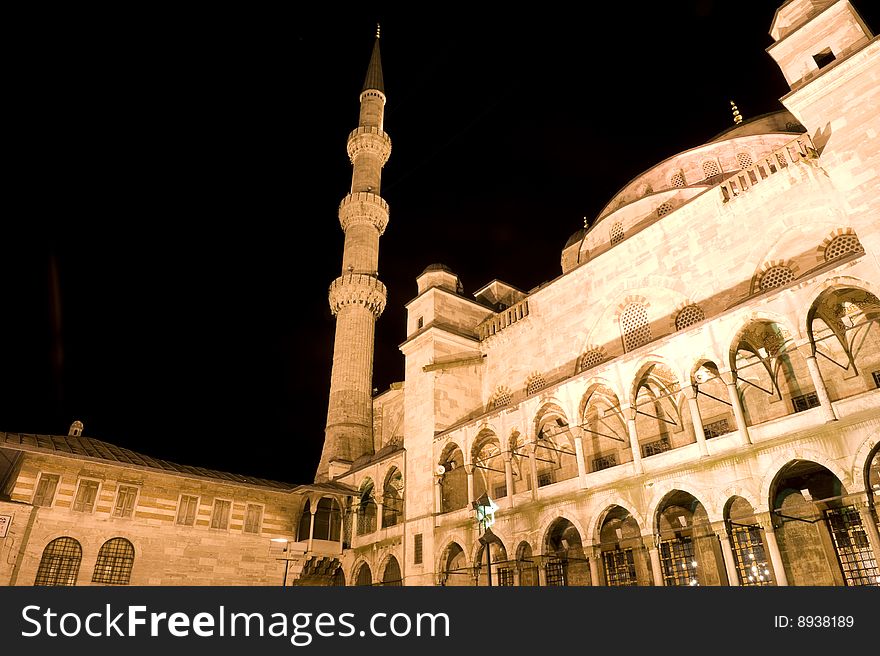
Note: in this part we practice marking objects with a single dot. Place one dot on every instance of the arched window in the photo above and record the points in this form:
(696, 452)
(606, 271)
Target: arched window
(60, 563)
(711, 169)
(688, 316)
(616, 233)
(776, 276)
(392, 498)
(115, 560)
(535, 383)
(392, 576)
(842, 245)
(453, 482)
(364, 576)
(305, 522)
(634, 326)
(677, 179)
(328, 520)
(367, 509)
(744, 160)
(591, 358)
(500, 398)
(664, 208)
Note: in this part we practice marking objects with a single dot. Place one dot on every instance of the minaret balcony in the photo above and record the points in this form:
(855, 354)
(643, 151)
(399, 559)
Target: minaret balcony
(357, 289)
(363, 208)
(369, 139)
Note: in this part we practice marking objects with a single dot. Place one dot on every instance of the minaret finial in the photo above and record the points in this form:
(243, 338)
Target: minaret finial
(737, 118)
(378, 30)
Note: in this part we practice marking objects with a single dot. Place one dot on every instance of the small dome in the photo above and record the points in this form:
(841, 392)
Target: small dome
(575, 238)
(436, 267)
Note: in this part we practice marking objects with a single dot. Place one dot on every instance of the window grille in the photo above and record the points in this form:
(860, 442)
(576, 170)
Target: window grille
(500, 491)
(655, 447)
(505, 577)
(664, 208)
(616, 233)
(501, 397)
(85, 496)
(604, 462)
(711, 169)
(555, 571)
(634, 325)
(842, 245)
(852, 547)
(620, 568)
(186, 513)
(60, 563)
(749, 555)
(688, 316)
(253, 518)
(46, 490)
(716, 428)
(744, 160)
(678, 180)
(220, 515)
(591, 359)
(545, 478)
(805, 401)
(677, 562)
(115, 560)
(776, 276)
(417, 549)
(125, 497)
(535, 384)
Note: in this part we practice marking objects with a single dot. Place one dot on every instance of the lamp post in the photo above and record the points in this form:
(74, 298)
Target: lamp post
(485, 510)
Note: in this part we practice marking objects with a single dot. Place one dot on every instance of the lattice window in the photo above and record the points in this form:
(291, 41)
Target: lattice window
(535, 384)
(86, 495)
(125, 497)
(616, 233)
(500, 491)
(711, 169)
(501, 398)
(678, 563)
(115, 560)
(60, 562)
(677, 180)
(776, 276)
(46, 490)
(591, 359)
(545, 478)
(634, 326)
(716, 428)
(805, 401)
(688, 316)
(505, 577)
(604, 462)
(842, 245)
(852, 547)
(620, 568)
(555, 570)
(655, 447)
(253, 518)
(744, 160)
(664, 208)
(748, 552)
(417, 549)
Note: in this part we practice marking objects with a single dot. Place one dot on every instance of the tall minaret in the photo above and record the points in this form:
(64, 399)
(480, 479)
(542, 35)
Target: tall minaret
(357, 297)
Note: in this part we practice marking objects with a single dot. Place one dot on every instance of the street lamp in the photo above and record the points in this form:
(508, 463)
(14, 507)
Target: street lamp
(485, 509)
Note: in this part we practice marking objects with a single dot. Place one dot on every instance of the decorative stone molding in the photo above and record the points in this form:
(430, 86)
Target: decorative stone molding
(369, 139)
(363, 208)
(360, 289)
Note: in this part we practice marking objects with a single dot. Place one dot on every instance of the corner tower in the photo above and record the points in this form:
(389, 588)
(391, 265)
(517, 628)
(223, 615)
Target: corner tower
(357, 297)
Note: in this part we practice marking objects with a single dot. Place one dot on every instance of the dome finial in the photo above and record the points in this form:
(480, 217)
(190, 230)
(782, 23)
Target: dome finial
(737, 118)
(378, 30)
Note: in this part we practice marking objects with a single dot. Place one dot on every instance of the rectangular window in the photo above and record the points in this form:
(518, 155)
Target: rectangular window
(545, 478)
(220, 516)
(505, 577)
(655, 447)
(500, 491)
(46, 490)
(186, 513)
(604, 462)
(716, 428)
(85, 496)
(125, 501)
(620, 568)
(420, 323)
(876, 375)
(417, 549)
(253, 518)
(805, 401)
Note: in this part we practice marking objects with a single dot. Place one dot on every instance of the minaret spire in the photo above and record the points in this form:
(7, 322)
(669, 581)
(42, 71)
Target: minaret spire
(357, 297)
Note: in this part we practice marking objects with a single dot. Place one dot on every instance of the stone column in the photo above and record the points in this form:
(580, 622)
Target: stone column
(870, 529)
(630, 414)
(729, 378)
(312, 524)
(821, 390)
(595, 554)
(579, 454)
(729, 560)
(696, 418)
(380, 508)
(773, 551)
(469, 470)
(656, 567)
(533, 468)
(508, 478)
(438, 498)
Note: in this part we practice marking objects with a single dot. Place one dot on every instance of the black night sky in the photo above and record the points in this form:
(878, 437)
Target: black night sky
(172, 228)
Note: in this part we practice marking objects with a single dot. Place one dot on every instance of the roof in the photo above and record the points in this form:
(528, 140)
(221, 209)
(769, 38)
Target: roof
(88, 448)
(330, 487)
(437, 266)
(374, 78)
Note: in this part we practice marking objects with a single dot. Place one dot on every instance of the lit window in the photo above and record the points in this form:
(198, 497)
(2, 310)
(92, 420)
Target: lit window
(60, 563)
(125, 501)
(85, 496)
(115, 560)
(253, 518)
(46, 490)
(186, 513)
(220, 515)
